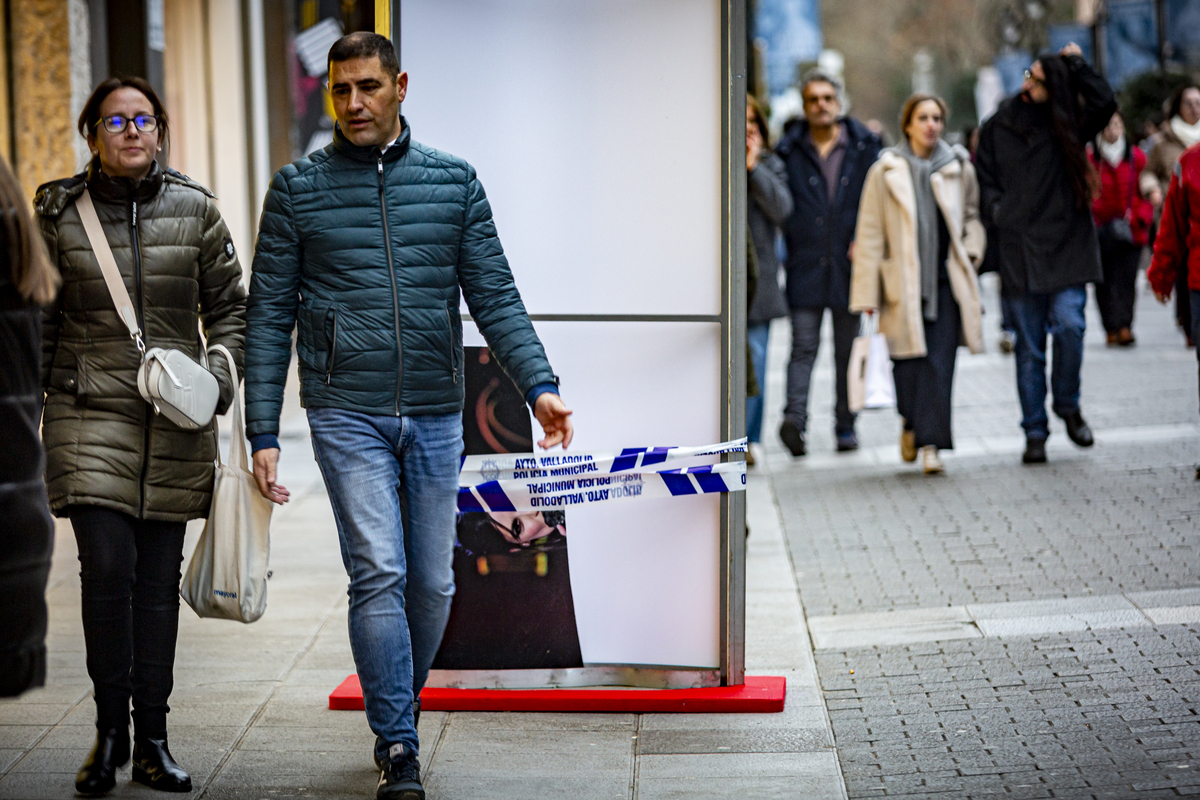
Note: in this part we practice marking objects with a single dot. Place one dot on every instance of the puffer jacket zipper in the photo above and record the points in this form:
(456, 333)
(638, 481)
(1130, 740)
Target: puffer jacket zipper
(332, 349)
(141, 312)
(387, 244)
(453, 347)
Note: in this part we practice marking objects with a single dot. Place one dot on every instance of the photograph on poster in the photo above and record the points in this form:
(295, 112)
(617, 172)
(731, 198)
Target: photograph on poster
(512, 606)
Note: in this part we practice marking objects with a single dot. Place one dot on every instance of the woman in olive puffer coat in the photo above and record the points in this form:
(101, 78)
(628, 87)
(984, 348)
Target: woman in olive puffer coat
(128, 479)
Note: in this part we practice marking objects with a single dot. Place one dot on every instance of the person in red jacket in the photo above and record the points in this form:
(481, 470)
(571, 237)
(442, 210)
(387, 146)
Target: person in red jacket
(1177, 246)
(1123, 218)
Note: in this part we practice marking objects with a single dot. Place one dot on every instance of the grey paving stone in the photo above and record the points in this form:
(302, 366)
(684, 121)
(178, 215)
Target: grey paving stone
(760, 740)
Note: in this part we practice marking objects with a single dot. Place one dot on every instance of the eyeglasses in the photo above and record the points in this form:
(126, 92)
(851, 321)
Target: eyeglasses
(146, 123)
(1029, 76)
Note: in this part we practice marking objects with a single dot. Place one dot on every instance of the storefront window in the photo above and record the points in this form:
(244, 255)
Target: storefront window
(319, 24)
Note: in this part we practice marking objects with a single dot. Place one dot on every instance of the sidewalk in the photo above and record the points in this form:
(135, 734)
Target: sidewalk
(250, 717)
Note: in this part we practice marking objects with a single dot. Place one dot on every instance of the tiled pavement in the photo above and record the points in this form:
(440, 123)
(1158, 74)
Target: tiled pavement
(1006, 630)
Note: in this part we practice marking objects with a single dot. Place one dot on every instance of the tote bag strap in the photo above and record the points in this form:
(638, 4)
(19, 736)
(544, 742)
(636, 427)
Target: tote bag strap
(108, 267)
(237, 435)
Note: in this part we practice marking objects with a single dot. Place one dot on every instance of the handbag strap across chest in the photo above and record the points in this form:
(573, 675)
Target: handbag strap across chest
(108, 267)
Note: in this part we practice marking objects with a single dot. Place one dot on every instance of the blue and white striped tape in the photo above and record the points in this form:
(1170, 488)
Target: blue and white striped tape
(476, 470)
(556, 492)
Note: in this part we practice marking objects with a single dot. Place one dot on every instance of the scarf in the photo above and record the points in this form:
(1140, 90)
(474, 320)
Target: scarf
(1188, 134)
(927, 218)
(1114, 152)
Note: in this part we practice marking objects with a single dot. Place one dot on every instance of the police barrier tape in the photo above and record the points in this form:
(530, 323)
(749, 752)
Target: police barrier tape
(536, 494)
(523, 466)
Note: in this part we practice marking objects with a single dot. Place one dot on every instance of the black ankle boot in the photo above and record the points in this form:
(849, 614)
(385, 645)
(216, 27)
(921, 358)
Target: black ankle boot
(153, 766)
(98, 775)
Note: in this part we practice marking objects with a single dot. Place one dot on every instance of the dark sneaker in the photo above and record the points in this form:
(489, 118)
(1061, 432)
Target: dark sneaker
(1078, 430)
(381, 747)
(400, 778)
(1035, 451)
(846, 441)
(792, 437)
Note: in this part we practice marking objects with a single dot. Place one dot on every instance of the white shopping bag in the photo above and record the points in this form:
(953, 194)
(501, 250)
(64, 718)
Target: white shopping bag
(227, 577)
(869, 376)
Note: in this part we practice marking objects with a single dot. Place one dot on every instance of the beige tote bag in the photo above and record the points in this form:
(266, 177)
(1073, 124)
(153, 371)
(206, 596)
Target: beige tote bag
(227, 577)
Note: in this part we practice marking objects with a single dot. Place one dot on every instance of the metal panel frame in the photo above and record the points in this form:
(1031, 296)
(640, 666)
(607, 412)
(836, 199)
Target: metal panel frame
(732, 646)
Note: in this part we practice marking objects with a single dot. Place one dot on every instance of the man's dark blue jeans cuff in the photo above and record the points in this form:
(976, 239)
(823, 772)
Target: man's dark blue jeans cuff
(264, 441)
(532, 395)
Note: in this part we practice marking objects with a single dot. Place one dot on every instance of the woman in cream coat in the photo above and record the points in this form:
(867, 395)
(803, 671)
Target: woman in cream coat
(917, 246)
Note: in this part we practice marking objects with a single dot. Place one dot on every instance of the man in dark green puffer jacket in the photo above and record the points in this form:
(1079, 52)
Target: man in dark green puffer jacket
(364, 247)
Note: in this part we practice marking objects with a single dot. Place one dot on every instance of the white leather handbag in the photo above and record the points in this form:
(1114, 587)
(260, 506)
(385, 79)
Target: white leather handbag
(170, 380)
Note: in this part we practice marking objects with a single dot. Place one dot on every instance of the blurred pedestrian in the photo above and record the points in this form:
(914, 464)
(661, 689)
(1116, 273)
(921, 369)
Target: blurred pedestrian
(27, 281)
(827, 157)
(768, 204)
(991, 259)
(1177, 247)
(1181, 131)
(128, 478)
(916, 249)
(381, 368)
(1123, 219)
(1036, 187)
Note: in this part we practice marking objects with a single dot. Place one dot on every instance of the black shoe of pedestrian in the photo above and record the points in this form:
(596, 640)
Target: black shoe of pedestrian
(98, 775)
(1035, 451)
(1078, 430)
(400, 777)
(792, 438)
(154, 766)
(847, 441)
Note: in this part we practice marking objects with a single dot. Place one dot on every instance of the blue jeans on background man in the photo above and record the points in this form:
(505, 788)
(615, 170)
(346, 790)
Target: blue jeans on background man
(757, 335)
(1061, 313)
(401, 581)
(1195, 298)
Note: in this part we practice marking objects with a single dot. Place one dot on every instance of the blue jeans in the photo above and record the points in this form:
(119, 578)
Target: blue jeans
(1060, 313)
(757, 335)
(401, 581)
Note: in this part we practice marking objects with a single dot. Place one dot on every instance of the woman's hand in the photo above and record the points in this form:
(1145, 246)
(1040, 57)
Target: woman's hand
(754, 147)
(1162, 298)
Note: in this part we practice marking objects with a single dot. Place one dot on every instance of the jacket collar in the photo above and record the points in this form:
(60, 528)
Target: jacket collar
(106, 188)
(368, 154)
(897, 175)
(796, 136)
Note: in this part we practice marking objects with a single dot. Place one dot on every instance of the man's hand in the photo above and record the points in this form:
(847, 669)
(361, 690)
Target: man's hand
(265, 461)
(555, 419)
(754, 146)
(1162, 298)
(1071, 49)
(850, 252)
(1155, 197)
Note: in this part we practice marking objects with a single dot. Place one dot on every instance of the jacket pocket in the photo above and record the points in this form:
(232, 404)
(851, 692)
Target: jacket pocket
(331, 334)
(889, 276)
(317, 340)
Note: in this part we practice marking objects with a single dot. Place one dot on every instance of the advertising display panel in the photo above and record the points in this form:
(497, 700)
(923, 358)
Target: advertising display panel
(607, 134)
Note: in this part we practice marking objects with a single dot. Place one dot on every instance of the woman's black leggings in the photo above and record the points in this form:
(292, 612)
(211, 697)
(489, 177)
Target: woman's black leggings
(130, 571)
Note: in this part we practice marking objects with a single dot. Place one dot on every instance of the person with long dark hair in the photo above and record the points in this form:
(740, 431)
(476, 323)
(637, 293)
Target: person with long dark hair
(128, 478)
(916, 248)
(27, 281)
(1036, 186)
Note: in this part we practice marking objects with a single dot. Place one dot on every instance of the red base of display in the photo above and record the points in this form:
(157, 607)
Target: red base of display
(759, 695)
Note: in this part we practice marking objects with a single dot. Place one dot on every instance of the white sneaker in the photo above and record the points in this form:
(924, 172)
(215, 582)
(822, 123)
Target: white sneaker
(930, 461)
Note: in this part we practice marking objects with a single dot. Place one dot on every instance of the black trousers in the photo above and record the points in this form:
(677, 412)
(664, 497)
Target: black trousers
(130, 571)
(1117, 294)
(925, 386)
(806, 338)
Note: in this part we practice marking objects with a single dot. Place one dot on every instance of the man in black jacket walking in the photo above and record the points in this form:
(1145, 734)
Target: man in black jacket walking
(827, 157)
(1034, 179)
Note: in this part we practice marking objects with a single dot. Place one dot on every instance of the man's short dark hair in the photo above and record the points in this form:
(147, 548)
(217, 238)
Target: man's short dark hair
(364, 44)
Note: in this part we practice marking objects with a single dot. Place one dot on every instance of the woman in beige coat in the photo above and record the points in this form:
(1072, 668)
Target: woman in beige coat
(916, 249)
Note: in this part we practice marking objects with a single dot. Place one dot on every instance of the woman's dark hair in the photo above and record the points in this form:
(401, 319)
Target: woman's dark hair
(759, 115)
(1066, 116)
(89, 118)
(30, 270)
(1176, 99)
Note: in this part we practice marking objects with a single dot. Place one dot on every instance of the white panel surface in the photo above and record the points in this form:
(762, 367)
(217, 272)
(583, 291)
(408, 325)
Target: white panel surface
(645, 575)
(594, 126)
